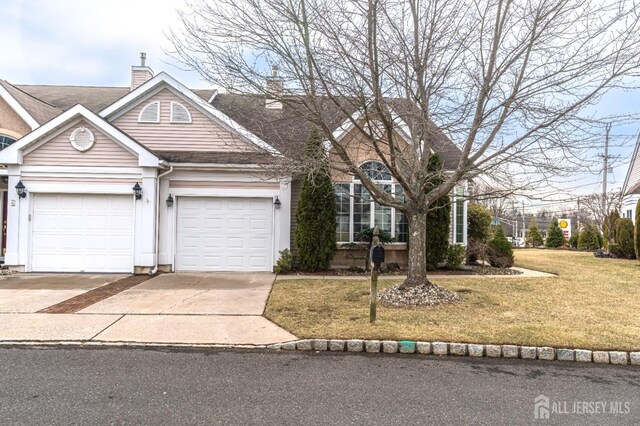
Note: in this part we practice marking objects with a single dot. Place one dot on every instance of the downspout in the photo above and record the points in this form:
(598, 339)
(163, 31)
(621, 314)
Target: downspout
(157, 248)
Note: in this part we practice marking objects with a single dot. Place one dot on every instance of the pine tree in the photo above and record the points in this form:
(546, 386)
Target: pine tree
(624, 232)
(478, 231)
(589, 238)
(555, 236)
(609, 228)
(315, 234)
(500, 250)
(534, 238)
(438, 221)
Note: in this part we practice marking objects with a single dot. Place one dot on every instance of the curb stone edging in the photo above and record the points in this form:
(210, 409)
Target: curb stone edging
(473, 350)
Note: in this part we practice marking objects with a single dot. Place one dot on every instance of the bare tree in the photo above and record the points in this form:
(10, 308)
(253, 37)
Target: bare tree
(509, 81)
(598, 207)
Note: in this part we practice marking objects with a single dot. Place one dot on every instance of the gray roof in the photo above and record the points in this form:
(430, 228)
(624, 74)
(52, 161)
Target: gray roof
(286, 129)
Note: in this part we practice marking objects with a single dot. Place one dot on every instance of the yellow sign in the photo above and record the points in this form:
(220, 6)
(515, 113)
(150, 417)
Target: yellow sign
(564, 224)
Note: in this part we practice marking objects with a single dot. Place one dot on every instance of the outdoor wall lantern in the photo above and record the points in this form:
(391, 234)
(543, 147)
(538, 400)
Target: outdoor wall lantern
(169, 201)
(20, 190)
(277, 203)
(137, 190)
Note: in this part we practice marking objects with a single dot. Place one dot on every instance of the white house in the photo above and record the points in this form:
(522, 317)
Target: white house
(631, 187)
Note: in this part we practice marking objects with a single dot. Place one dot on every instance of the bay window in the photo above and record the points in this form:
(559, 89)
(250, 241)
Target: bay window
(357, 211)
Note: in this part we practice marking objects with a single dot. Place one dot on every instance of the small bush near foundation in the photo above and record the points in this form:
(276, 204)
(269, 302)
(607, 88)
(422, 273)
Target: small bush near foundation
(456, 254)
(284, 263)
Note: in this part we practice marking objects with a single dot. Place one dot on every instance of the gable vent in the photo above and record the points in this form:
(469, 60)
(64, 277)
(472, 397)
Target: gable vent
(82, 139)
(179, 113)
(150, 113)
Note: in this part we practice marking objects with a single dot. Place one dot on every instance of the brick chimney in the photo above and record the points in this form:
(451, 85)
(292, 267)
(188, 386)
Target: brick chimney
(274, 88)
(140, 74)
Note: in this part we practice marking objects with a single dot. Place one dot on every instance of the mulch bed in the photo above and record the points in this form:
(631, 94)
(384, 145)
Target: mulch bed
(96, 295)
(473, 270)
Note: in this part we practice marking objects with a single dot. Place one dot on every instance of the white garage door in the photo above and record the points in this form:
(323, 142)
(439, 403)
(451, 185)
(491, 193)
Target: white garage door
(82, 233)
(224, 234)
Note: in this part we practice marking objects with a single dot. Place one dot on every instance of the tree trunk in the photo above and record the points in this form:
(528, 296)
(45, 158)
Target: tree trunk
(417, 256)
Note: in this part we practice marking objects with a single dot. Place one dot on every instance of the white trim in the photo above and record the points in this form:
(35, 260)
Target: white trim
(19, 109)
(157, 119)
(13, 153)
(632, 164)
(197, 101)
(171, 120)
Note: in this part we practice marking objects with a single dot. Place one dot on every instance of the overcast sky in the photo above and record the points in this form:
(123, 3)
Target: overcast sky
(94, 42)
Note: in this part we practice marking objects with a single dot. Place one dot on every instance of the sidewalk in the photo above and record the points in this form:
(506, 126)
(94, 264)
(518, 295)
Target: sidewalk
(526, 273)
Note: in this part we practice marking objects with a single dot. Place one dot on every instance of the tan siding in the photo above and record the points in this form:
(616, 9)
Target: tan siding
(58, 150)
(10, 120)
(223, 184)
(202, 134)
(296, 187)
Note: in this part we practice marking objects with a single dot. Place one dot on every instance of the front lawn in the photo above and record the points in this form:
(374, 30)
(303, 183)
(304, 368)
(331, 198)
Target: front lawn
(592, 304)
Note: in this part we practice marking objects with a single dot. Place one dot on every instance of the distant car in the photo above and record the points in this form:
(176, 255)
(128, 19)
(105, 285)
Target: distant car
(517, 242)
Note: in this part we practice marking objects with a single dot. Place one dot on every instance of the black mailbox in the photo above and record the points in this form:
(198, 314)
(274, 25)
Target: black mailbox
(377, 255)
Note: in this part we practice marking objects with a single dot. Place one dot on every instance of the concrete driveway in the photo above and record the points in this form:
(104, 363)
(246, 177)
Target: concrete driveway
(192, 294)
(28, 293)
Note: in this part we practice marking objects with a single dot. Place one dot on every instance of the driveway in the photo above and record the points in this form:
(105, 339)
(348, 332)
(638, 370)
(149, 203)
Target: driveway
(28, 293)
(197, 308)
(192, 294)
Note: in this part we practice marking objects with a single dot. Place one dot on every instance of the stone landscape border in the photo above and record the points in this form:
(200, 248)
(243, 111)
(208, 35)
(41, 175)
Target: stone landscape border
(462, 349)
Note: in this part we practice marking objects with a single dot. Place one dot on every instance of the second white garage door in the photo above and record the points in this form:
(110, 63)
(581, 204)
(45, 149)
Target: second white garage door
(224, 234)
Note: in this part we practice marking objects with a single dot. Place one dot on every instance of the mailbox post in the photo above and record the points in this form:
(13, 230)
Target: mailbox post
(377, 257)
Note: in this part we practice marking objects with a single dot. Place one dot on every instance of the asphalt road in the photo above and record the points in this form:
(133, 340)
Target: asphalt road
(143, 386)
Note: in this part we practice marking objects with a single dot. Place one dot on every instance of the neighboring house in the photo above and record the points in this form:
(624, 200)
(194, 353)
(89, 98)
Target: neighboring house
(631, 187)
(158, 176)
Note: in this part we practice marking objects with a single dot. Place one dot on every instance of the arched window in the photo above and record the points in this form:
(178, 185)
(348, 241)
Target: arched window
(5, 141)
(179, 113)
(376, 171)
(150, 113)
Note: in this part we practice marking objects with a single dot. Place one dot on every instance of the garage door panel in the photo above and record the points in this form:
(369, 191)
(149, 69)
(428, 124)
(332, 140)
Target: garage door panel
(224, 234)
(82, 233)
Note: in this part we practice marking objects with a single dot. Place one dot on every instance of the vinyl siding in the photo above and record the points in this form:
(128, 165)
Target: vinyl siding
(10, 120)
(58, 150)
(223, 184)
(202, 134)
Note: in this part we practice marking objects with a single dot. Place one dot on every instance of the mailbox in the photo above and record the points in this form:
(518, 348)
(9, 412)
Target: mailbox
(377, 255)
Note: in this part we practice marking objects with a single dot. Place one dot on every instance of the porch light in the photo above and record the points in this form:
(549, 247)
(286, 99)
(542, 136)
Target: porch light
(137, 190)
(20, 190)
(277, 203)
(169, 201)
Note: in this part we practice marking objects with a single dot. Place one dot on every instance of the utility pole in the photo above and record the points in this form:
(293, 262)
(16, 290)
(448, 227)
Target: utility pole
(578, 225)
(524, 222)
(605, 170)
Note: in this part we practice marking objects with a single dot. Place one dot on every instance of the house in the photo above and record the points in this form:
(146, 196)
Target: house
(631, 187)
(157, 176)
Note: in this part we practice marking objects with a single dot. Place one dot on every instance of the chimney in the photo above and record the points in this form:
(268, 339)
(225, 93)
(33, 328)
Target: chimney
(140, 74)
(274, 88)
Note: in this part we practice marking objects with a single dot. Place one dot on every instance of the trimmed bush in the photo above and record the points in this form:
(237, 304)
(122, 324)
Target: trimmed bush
(637, 231)
(315, 234)
(609, 228)
(284, 263)
(624, 239)
(478, 231)
(500, 250)
(589, 238)
(438, 221)
(555, 236)
(533, 237)
(573, 241)
(455, 256)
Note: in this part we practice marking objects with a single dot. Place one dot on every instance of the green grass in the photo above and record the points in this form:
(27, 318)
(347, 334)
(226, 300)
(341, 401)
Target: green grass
(592, 304)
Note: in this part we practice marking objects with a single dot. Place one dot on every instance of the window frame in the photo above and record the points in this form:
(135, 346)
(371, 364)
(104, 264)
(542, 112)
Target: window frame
(4, 138)
(157, 120)
(172, 121)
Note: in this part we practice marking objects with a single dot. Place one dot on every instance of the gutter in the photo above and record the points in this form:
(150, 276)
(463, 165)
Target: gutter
(157, 248)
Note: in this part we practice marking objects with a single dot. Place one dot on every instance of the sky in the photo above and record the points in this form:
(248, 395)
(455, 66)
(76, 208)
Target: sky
(95, 42)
